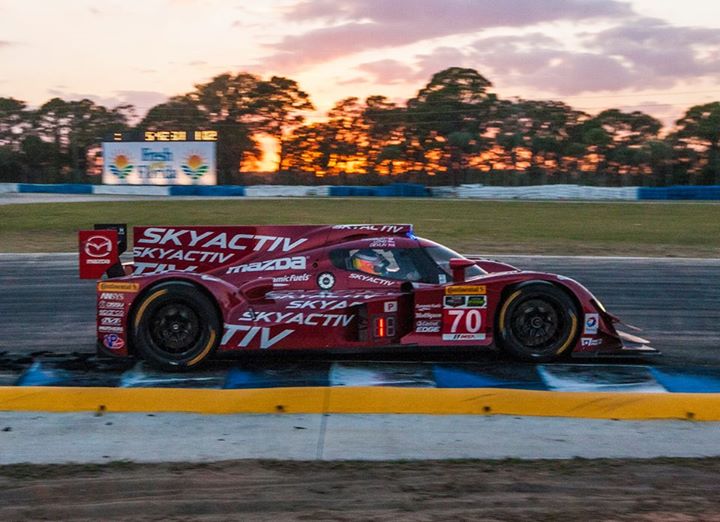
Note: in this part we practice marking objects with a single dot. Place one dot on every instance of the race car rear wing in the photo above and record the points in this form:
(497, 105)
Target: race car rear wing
(100, 250)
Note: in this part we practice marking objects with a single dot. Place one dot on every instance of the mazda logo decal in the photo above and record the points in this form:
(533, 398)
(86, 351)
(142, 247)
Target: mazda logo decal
(98, 246)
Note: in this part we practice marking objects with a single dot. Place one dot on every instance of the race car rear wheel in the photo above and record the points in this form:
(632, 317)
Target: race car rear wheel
(537, 322)
(175, 326)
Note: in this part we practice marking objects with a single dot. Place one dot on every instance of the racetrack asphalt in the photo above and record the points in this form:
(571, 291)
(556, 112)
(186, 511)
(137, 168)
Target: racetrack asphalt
(675, 301)
(45, 307)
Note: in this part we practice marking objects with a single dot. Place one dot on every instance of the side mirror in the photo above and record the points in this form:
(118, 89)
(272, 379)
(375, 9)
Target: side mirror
(257, 289)
(458, 266)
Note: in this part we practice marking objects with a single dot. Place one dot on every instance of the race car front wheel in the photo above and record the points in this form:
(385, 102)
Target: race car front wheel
(537, 322)
(175, 326)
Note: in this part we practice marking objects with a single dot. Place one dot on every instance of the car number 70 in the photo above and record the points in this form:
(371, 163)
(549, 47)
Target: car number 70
(471, 324)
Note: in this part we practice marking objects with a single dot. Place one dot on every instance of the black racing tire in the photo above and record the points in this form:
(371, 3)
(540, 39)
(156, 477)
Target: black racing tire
(537, 322)
(175, 326)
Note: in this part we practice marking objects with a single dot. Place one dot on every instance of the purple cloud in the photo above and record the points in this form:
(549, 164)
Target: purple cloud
(540, 61)
(656, 49)
(639, 54)
(359, 25)
(388, 71)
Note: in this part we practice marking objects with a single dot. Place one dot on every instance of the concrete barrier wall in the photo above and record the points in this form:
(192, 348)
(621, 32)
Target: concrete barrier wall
(535, 192)
(132, 190)
(8, 188)
(547, 192)
(276, 191)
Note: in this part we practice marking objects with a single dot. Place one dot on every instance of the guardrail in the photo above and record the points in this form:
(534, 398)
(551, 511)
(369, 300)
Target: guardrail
(534, 192)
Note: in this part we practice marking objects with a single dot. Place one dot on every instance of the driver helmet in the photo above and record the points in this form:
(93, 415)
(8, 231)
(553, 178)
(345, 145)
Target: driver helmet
(369, 261)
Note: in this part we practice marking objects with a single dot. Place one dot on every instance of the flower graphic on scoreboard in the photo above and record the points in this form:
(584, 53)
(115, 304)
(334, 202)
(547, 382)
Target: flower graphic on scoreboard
(195, 166)
(121, 165)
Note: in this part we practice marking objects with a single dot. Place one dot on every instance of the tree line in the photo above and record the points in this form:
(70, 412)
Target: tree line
(454, 130)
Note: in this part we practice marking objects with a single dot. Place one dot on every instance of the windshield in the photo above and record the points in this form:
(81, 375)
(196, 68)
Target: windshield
(442, 256)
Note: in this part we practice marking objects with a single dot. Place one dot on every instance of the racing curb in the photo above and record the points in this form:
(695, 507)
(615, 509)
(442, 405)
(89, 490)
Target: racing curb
(366, 400)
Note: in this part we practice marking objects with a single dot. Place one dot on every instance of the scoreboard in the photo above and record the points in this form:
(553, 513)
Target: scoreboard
(160, 157)
(165, 135)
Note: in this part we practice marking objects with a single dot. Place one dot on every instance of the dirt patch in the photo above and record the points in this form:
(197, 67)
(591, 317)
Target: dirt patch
(665, 489)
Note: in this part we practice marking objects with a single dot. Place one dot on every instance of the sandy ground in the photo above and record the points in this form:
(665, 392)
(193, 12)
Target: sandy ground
(664, 490)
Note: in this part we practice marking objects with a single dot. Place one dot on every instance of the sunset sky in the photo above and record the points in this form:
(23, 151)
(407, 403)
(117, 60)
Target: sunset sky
(659, 56)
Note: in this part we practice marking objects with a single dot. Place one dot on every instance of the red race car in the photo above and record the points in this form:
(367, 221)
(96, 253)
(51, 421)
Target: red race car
(194, 291)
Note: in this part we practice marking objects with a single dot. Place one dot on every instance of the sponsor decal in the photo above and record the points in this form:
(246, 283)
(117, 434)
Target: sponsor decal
(464, 337)
(307, 319)
(321, 304)
(121, 165)
(158, 268)
(427, 329)
(284, 263)
(293, 278)
(217, 240)
(97, 261)
(588, 342)
(427, 315)
(111, 304)
(243, 336)
(427, 306)
(359, 294)
(113, 329)
(427, 326)
(392, 229)
(98, 246)
(112, 296)
(390, 306)
(465, 289)
(382, 242)
(113, 342)
(371, 279)
(195, 166)
(591, 324)
(111, 321)
(465, 301)
(454, 301)
(326, 280)
(118, 287)
(111, 313)
(173, 254)
(477, 301)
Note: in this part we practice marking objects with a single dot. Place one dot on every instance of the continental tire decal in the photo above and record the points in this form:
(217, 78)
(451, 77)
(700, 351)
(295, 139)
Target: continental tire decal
(117, 287)
(145, 304)
(465, 290)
